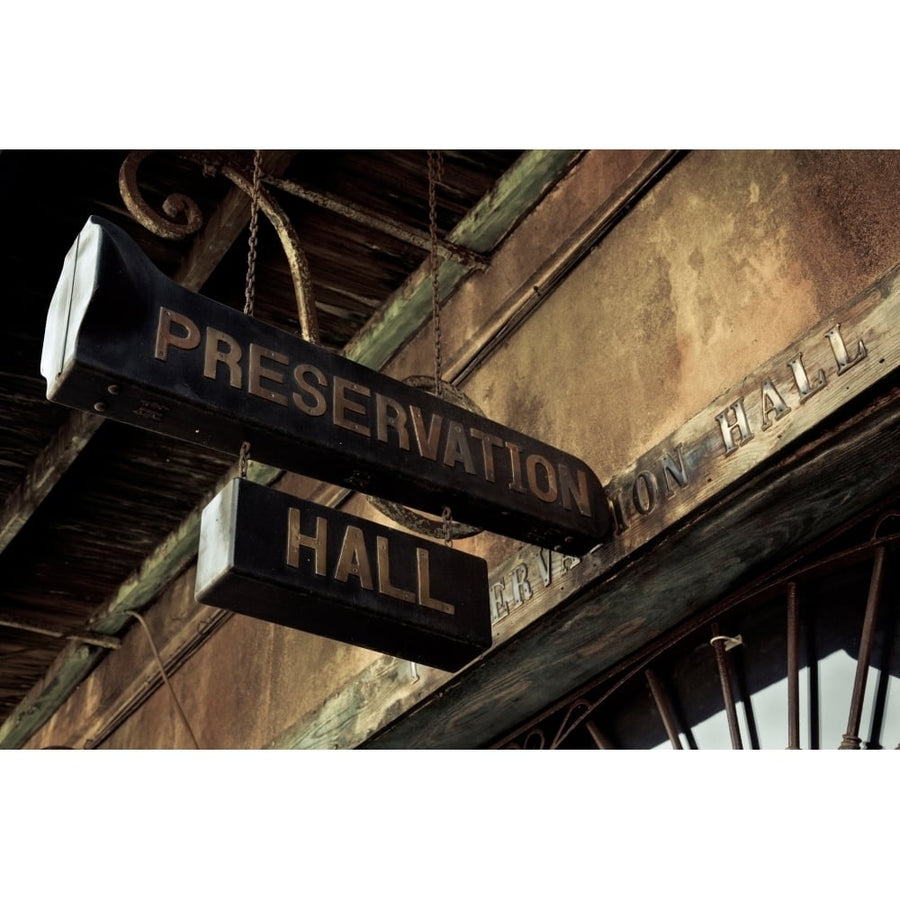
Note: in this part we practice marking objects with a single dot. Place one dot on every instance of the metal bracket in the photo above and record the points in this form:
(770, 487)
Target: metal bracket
(730, 642)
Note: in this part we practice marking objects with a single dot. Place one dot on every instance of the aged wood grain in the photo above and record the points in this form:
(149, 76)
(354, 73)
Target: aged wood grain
(45, 472)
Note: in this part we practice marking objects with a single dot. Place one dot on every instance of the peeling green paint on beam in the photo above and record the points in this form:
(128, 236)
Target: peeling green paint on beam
(68, 670)
(409, 309)
(514, 195)
(75, 663)
(165, 564)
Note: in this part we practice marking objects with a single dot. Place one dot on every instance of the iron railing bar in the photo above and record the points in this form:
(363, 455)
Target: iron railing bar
(851, 739)
(793, 666)
(599, 738)
(663, 707)
(727, 693)
(812, 655)
(888, 630)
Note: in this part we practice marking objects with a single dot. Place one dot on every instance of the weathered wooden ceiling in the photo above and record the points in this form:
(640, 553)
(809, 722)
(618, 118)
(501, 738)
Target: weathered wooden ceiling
(84, 501)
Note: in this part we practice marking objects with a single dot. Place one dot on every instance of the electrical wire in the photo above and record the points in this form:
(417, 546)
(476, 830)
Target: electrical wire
(162, 670)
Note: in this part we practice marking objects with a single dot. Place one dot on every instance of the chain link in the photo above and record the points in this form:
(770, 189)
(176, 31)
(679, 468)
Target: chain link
(435, 177)
(250, 289)
(447, 519)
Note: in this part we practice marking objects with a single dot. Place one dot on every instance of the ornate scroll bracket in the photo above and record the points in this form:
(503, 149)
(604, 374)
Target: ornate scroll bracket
(181, 206)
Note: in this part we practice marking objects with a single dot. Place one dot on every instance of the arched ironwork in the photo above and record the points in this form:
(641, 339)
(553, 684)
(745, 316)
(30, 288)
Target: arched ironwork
(179, 205)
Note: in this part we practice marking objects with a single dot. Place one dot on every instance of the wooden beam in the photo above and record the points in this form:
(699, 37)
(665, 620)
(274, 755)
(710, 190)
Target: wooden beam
(482, 229)
(97, 640)
(45, 472)
(72, 665)
(224, 226)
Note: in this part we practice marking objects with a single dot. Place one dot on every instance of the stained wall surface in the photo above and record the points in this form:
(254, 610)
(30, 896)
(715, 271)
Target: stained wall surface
(729, 257)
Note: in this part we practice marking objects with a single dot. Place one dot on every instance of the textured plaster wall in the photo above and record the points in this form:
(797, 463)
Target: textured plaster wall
(722, 265)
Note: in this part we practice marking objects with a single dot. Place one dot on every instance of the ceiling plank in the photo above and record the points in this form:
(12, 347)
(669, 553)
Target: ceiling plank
(45, 472)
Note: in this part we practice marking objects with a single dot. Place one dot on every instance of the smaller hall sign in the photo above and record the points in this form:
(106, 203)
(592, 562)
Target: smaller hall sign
(273, 556)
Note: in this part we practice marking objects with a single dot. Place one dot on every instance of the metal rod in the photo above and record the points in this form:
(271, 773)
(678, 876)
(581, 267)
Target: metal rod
(727, 694)
(851, 739)
(97, 640)
(380, 223)
(793, 667)
(661, 699)
(600, 739)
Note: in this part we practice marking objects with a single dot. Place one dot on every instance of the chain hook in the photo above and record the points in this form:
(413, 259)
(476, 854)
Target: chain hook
(244, 459)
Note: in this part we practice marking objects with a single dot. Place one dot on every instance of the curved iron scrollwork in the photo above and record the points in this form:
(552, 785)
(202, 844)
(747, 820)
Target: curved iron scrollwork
(180, 206)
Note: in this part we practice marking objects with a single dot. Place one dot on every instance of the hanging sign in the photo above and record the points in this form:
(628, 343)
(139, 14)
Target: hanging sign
(272, 556)
(127, 342)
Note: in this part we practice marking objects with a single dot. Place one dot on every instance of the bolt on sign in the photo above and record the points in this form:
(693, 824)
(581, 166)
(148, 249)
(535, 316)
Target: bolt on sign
(272, 556)
(125, 341)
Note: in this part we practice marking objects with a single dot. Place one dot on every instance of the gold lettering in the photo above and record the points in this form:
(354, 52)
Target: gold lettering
(488, 441)
(397, 421)
(213, 356)
(296, 539)
(515, 461)
(457, 448)
(423, 594)
(319, 405)
(428, 445)
(256, 372)
(164, 337)
(343, 404)
(354, 560)
(548, 494)
(569, 491)
(384, 573)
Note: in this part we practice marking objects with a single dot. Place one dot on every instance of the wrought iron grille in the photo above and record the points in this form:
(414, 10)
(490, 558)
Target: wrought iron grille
(806, 655)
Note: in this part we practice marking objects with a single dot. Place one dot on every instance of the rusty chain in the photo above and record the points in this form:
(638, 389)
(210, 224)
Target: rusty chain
(435, 175)
(447, 525)
(244, 459)
(250, 289)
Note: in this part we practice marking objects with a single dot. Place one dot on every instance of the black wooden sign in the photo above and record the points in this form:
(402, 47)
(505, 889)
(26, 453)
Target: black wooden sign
(125, 341)
(272, 556)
